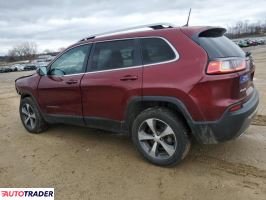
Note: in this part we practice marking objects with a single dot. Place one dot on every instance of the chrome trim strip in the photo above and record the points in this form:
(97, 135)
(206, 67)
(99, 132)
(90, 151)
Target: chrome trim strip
(107, 70)
(147, 65)
(71, 74)
(117, 69)
(168, 61)
(132, 67)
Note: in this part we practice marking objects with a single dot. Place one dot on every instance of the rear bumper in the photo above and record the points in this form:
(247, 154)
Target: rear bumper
(230, 125)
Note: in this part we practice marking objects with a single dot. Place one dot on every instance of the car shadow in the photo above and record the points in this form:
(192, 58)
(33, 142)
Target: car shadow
(86, 138)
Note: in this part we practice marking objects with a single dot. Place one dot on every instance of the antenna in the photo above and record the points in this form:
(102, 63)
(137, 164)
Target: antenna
(188, 17)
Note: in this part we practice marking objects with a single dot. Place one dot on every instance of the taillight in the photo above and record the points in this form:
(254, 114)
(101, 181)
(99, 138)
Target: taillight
(226, 66)
(235, 107)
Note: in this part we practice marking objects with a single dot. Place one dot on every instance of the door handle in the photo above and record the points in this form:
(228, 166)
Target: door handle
(71, 82)
(129, 78)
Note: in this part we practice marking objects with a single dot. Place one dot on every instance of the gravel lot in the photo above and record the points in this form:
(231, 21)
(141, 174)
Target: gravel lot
(82, 163)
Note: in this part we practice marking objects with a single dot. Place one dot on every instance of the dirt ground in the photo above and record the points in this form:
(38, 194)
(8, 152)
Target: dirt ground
(82, 163)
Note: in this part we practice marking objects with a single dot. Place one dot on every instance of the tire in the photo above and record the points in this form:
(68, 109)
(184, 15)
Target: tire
(161, 126)
(31, 117)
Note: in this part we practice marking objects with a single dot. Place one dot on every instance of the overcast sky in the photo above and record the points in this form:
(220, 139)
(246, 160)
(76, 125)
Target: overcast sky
(58, 23)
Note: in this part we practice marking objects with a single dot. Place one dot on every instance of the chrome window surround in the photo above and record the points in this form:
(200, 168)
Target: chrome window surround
(123, 68)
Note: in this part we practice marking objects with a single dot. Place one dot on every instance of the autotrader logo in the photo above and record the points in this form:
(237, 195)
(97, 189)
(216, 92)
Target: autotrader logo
(26, 193)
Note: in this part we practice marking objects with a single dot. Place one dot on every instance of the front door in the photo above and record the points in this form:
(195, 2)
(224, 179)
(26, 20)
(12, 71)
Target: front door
(59, 91)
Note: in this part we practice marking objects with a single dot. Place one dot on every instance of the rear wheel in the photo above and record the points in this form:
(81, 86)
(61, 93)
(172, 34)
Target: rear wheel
(160, 136)
(31, 117)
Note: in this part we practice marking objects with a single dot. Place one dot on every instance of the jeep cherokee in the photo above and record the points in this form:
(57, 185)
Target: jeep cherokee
(162, 87)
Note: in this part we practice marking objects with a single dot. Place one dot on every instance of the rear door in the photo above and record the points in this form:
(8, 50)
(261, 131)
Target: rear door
(59, 91)
(114, 76)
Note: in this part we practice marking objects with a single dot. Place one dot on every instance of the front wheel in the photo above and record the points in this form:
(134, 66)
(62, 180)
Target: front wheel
(160, 136)
(30, 116)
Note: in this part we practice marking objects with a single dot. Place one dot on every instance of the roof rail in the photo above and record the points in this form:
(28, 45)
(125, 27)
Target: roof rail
(152, 26)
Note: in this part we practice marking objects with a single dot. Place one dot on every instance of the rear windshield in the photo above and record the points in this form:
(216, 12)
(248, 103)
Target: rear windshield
(220, 47)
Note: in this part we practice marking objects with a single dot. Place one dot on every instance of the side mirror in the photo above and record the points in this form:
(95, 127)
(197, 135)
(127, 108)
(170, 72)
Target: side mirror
(42, 71)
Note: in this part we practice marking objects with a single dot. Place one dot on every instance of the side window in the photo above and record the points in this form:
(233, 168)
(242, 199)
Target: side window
(155, 50)
(71, 62)
(114, 54)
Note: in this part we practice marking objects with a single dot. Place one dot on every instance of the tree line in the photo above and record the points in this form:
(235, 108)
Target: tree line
(28, 50)
(246, 29)
(25, 51)
(22, 51)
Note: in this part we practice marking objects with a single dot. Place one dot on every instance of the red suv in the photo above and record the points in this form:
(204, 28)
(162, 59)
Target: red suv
(162, 87)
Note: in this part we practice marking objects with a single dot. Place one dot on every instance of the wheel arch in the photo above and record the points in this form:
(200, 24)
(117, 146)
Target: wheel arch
(30, 95)
(138, 104)
(24, 95)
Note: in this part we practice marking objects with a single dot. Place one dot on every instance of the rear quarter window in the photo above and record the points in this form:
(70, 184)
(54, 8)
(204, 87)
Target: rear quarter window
(156, 50)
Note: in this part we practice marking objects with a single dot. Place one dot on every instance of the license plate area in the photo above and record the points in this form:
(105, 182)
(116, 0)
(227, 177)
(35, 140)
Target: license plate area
(245, 85)
(244, 78)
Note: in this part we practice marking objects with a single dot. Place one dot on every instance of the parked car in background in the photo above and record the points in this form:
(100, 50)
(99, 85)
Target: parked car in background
(41, 64)
(29, 67)
(249, 42)
(14, 68)
(20, 67)
(242, 43)
(254, 42)
(17, 67)
(236, 42)
(1, 69)
(5, 69)
(261, 41)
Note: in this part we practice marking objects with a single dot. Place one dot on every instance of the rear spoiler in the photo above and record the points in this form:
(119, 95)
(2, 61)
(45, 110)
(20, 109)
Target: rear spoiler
(213, 32)
(203, 31)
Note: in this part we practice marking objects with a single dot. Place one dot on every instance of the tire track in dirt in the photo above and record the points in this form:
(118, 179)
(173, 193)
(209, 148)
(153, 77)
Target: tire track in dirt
(238, 169)
(259, 120)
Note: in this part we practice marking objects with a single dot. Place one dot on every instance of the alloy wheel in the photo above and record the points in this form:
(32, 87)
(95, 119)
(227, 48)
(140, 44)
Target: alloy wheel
(157, 138)
(29, 116)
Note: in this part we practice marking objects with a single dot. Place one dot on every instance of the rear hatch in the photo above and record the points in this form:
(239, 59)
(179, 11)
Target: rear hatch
(225, 57)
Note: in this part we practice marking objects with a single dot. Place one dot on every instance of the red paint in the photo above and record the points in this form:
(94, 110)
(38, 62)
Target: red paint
(57, 96)
(103, 94)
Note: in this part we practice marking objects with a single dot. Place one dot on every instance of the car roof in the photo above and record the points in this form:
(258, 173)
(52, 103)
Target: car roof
(162, 32)
(135, 34)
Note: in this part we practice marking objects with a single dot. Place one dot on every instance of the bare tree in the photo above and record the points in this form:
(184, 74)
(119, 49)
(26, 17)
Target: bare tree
(23, 51)
(12, 55)
(246, 29)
